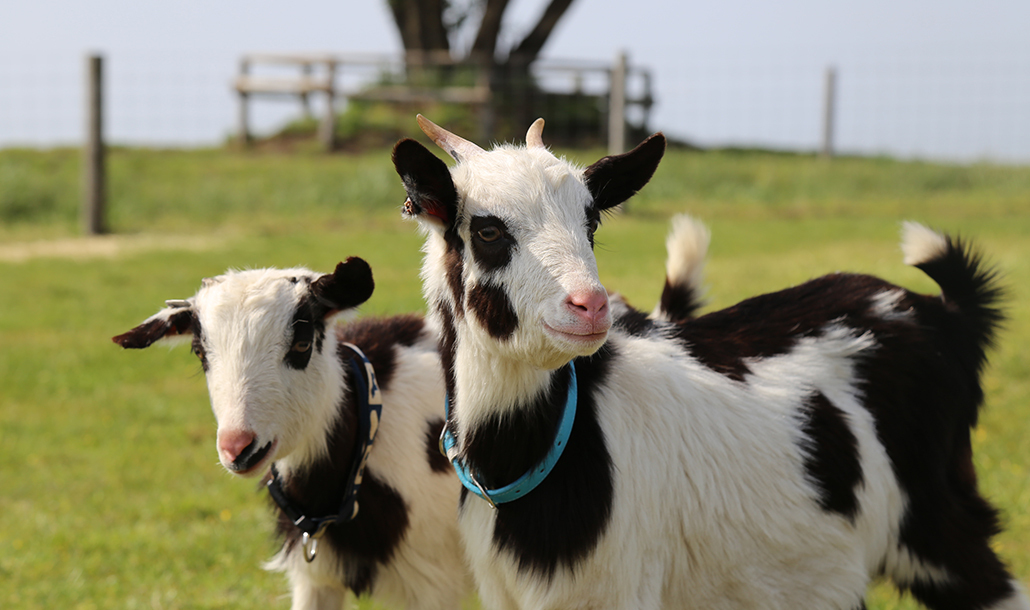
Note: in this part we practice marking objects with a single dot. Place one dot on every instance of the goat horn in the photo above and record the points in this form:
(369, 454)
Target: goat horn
(535, 135)
(457, 147)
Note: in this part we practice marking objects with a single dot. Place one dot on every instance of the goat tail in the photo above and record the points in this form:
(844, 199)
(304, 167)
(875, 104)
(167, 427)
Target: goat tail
(686, 250)
(967, 283)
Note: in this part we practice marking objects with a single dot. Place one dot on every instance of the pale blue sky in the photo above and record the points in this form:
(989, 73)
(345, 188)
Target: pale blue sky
(697, 51)
(591, 27)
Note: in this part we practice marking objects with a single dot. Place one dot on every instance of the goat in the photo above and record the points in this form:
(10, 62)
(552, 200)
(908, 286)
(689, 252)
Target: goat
(285, 393)
(780, 453)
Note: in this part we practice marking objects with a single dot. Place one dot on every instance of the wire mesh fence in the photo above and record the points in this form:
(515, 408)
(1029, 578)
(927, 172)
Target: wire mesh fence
(960, 109)
(937, 108)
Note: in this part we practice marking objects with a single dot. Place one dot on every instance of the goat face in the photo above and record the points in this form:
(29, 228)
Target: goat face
(272, 371)
(510, 254)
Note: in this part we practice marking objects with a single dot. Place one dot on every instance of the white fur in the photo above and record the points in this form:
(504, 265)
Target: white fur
(886, 305)
(1019, 601)
(687, 247)
(919, 243)
(245, 318)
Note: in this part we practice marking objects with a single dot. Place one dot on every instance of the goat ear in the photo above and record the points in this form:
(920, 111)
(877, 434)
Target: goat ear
(616, 178)
(431, 192)
(348, 286)
(174, 320)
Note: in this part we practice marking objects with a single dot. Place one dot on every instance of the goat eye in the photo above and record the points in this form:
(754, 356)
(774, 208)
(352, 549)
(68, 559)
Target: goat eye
(489, 234)
(592, 225)
(301, 346)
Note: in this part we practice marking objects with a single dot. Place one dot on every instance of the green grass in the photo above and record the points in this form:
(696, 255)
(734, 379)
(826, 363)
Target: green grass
(110, 489)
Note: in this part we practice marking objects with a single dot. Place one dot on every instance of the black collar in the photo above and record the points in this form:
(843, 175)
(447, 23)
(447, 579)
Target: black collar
(370, 409)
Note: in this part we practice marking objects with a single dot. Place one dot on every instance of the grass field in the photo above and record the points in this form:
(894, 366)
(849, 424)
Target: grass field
(111, 494)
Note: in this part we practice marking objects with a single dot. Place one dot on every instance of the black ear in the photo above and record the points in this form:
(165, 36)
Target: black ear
(166, 323)
(616, 178)
(428, 182)
(348, 286)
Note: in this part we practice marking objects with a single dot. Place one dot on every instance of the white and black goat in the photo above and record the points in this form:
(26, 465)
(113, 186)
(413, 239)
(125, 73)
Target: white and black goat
(781, 453)
(284, 389)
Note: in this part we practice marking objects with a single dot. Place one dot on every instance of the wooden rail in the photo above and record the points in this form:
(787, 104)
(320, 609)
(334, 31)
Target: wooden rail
(320, 74)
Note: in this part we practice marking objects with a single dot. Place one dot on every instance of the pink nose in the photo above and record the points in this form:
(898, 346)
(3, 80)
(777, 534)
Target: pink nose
(231, 443)
(589, 306)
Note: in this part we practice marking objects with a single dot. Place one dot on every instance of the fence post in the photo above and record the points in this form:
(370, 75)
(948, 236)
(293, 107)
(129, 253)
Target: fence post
(93, 199)
(327, 128)
(305, 103)
(243, 125)
(617, 106)
(829, 104)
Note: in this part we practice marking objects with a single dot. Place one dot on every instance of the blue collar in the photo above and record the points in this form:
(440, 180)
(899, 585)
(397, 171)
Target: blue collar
(535, 475)
(370, 410)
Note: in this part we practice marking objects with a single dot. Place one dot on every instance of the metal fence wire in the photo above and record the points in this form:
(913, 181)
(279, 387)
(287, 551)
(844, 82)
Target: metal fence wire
(956, 109)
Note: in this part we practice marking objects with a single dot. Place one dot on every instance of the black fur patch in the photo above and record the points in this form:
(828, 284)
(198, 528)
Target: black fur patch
(348, 286)
(307, 326)
(496, 253)
(455, 266)
(379, 339)
(980, 588)
(679, 303)
(632, 321)
(616, 178)
(593, 222)
(427, 181)
(372, 537)
(771, 324)
(832, 460)
(491, 305)
(197, 345)
(448, 341)
(147, 333)
(561, 521)
(437, 461)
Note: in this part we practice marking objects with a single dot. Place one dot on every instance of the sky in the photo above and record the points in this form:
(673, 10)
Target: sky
(943, 78)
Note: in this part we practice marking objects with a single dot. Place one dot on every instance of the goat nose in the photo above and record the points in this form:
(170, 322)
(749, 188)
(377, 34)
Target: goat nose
(231, 443)
(590, 304)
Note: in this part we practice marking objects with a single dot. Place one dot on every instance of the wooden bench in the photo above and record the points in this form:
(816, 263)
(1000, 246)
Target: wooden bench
(318, 75)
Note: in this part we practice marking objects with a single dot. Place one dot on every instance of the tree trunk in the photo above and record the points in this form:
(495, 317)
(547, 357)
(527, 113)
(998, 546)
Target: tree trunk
(529, 49)
(484, 49)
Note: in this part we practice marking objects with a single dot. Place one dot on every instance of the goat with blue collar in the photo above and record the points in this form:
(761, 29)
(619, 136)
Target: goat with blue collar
(779, 454)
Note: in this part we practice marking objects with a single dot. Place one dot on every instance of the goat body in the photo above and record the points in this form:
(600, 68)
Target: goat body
(777, 454)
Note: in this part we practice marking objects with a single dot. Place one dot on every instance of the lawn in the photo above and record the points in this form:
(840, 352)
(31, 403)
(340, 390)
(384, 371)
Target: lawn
(110, 489)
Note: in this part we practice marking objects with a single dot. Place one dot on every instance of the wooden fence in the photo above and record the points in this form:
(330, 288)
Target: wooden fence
(614, 95)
